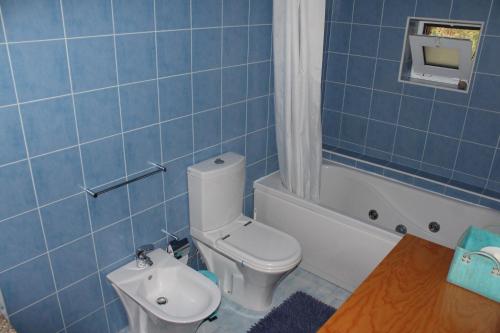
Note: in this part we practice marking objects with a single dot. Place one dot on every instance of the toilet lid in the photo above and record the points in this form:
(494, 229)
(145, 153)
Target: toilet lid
(261, 247)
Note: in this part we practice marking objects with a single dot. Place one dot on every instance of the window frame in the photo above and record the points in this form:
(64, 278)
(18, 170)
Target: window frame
(422, 70)
(413, 68)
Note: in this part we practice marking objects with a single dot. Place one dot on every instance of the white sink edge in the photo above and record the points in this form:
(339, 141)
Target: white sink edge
(160, 257)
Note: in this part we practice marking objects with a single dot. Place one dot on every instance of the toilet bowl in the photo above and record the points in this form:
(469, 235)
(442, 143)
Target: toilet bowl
(249, 258)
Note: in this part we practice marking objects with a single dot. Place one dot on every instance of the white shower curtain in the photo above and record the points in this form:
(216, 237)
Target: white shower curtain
(298, 28)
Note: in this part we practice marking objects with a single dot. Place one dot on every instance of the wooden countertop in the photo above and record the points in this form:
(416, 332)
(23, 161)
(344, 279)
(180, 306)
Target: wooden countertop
(408, 292)
(5, 326)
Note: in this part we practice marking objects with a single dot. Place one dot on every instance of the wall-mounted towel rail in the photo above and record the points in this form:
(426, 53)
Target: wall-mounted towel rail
(95, 194)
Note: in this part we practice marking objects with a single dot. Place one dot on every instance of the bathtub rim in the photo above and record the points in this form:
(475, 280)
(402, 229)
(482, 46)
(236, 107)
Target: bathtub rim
(272, 184)
(347, 221)
(480, 196)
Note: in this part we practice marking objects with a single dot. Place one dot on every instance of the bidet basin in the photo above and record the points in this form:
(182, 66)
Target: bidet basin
(167, 297)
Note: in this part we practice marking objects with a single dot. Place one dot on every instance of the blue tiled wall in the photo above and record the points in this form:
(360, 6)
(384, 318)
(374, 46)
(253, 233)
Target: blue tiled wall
(90, 92)
(448, 137)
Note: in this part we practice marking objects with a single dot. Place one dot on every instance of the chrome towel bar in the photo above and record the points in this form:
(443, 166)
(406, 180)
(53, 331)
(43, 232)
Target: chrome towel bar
(95, 194)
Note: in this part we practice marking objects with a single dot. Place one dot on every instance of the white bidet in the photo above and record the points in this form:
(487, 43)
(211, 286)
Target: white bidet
(166, 297)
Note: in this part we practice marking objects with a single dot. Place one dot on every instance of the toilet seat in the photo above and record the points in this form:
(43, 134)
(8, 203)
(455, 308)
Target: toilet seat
(260, 247)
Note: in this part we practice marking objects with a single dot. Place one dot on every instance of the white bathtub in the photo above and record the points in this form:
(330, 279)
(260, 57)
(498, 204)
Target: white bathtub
(339, 240)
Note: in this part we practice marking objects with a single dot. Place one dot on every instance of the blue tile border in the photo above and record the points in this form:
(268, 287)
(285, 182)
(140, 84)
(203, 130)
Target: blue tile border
(410, 176)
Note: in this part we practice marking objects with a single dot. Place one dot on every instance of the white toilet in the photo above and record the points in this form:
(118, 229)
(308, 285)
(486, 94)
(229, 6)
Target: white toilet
(249, 258)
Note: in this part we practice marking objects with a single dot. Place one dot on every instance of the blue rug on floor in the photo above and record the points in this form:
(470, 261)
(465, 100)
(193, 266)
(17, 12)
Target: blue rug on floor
(299, 313)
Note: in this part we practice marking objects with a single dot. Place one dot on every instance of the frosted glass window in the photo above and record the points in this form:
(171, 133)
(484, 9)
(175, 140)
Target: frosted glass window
(442, 57)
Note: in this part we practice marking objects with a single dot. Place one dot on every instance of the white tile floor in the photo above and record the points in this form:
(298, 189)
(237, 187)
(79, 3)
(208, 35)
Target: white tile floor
(232, 318)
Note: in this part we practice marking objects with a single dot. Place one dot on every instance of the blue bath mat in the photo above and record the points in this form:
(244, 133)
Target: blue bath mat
(299, 313)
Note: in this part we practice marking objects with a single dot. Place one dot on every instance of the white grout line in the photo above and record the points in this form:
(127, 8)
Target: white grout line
(127, 34)
(42, 206)
(121, 122)
(93, 232)
(24, 262)
(397, 126)
(480, 53)
(246, 95)
(396, 27)
(403, 93)
(221, 72)
(19, 214)
(125, 132)
(81, 157)
(101, 308)
(417, 161)
(162, 157)
(145, 126)
(130, 175)
(54, 293)
(415, 9)
(347, 67)
(192, 76)
(124, 84)
(239, 102)
(269, 98)
(414, 129)
(363, 55)
(428, 131)
(7, 106)
(29, 164)
(77, 145)
(57, 291)
(445, 186)
(327, 49)
(488, 179)
(373, 79)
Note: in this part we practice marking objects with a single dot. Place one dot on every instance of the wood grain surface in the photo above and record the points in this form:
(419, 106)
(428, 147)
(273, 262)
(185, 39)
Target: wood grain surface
(408, 292)
(5, 326)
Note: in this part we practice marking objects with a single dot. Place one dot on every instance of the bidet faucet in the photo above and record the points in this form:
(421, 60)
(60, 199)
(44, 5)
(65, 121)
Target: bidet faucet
(141, 256)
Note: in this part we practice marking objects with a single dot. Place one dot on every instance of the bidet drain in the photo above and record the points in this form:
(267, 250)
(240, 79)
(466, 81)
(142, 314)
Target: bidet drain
(162, 300)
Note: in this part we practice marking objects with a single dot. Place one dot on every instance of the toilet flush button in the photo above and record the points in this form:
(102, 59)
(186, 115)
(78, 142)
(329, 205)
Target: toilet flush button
(219, 161)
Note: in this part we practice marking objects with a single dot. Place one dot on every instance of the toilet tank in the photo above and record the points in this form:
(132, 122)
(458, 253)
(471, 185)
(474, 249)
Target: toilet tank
(216, 189)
